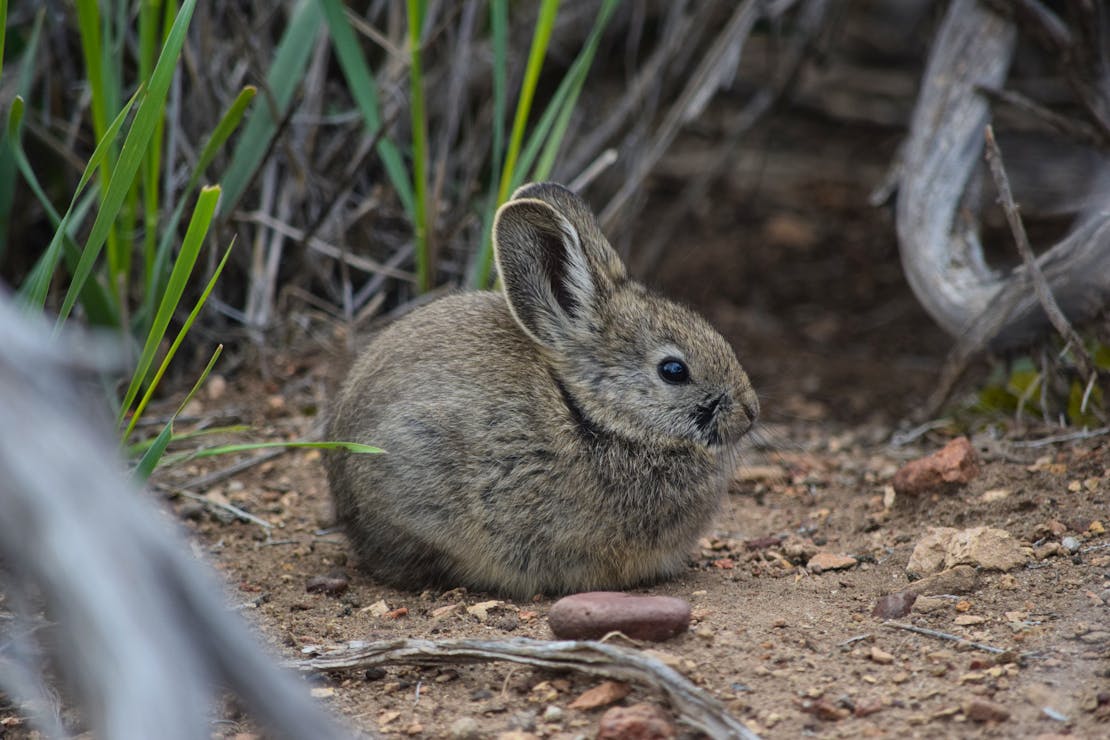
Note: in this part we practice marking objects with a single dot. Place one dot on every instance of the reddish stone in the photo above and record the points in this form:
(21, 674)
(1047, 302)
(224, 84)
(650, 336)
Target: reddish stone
(953, 465)
(589, 616)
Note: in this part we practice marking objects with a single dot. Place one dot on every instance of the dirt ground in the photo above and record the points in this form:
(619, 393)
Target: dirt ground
(840, 355)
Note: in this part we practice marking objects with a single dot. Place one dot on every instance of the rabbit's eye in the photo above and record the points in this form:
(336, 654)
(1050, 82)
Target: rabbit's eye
(674, 371)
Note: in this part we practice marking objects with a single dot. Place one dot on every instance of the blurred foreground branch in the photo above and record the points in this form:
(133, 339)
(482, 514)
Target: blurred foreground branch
(97, 581)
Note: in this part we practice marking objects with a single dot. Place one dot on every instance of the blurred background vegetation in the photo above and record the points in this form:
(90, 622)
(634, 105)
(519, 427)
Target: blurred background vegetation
(284, 177)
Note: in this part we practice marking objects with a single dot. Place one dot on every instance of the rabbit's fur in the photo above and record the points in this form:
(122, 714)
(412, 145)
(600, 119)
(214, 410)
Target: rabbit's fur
(532, 444)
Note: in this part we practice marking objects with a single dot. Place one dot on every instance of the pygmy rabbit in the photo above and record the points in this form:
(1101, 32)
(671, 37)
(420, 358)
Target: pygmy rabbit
(574, 432)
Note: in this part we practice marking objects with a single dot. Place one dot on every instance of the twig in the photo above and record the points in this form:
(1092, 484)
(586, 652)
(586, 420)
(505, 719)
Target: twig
(1078, 131)
(595, 168)
(1070, 437)
(1040, 284)
(945, 636)
(901, 439)
(694, 706)
(319, 245)
(854, 640)
(232, 508)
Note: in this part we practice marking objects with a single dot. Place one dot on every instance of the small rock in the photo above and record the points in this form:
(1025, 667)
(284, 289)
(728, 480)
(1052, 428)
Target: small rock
(637, 722)
(825, 710)
(894, 606)
(322, 692)
(553, 714)
(987, 548)
(798, 549)
(762, 543)
(333, 584)
(982, 547)
(880, 656)
(952, 466)
(465, 728)
(378, 608)
(1048, 550)
(930, 604)
(1071, 544)
(482, 609)
(929, 553)
(996, 494)
(591, 615)
(962, 579)
(823, 561)
(606, 692)
(982, 710)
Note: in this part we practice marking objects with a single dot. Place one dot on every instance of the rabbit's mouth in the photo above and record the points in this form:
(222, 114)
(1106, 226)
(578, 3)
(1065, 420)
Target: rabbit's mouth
(715, 413)
(707, 419)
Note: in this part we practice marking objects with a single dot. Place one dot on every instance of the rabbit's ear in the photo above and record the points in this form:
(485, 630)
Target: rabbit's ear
(555, 268)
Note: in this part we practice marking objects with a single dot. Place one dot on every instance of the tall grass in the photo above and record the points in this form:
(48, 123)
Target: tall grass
(529, 153)
(121, 183)
(126, 248)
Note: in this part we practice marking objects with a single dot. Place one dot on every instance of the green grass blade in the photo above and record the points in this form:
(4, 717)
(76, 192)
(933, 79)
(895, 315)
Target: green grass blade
(499, 31)
(153, 455)
(419, 147)
(154, 452)
(355, 447)
(34, 290)
(149, 17)
(540, 38)
(182, 271)
(566, 98)
(219, 136)
(364, 90)
(286, 73)
(95, 52)
(177, 341)
(142, 446)
(134, 147)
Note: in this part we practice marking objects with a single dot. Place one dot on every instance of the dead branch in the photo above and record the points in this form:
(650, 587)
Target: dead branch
(946, 636)
(1040, 285)
(695, 707)
(941, 253)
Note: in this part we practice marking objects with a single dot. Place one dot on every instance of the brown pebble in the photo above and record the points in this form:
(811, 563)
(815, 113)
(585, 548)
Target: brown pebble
(825, 710)
(333, 584)
(982, 710)
(637, 722)
(823, 561)
(762, 543)
(894, 606)
(605, 693)
(591, 615)
(880, 656)
(953, 465)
